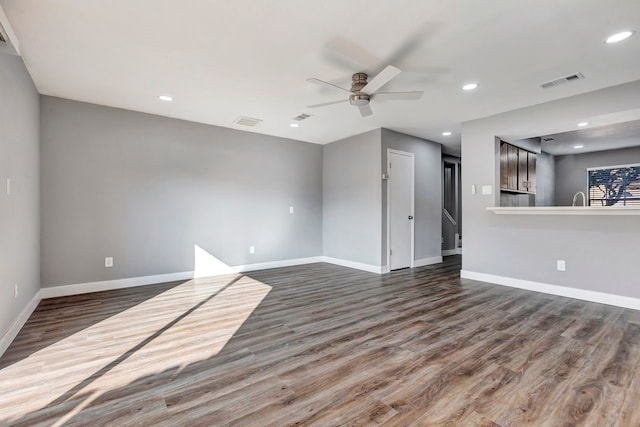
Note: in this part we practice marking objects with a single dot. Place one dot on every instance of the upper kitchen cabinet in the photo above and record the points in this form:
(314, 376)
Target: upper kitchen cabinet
(517, 169)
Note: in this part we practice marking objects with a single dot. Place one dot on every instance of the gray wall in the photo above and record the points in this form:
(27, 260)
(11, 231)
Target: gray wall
(146, 189)
(545, 180)
(516, 200)
(352, 200)
(571, 170)
(19, 212)
(525, 246)
(428, 192)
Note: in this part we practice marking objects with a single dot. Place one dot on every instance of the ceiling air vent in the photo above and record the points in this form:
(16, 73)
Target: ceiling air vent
(8, 40)
(246, 121)
(562, 80)
(302, 117)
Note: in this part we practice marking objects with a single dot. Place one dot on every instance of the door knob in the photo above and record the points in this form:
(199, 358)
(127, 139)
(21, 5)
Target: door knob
(410, 216)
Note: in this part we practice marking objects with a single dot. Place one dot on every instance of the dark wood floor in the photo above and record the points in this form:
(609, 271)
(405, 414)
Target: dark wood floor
(324, 345)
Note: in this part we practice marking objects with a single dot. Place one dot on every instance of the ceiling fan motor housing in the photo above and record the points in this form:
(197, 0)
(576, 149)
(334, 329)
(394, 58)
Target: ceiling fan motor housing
(357, 98)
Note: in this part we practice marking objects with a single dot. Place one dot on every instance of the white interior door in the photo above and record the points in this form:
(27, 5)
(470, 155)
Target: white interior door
(400, 209)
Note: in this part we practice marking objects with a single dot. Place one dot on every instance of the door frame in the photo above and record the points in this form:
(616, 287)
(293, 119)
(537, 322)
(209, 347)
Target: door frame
(413, 201)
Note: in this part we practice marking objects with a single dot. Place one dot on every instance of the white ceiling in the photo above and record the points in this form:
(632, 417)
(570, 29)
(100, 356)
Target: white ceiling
(620, 135)
(221, 59)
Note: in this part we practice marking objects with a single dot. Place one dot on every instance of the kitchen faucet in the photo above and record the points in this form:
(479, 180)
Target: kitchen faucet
(584, 198)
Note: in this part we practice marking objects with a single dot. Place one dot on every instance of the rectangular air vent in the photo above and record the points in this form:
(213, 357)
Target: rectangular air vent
(8, 40)
(547, 139)
(302, 117)
(3, 33)
(562, 80)
(246, 121)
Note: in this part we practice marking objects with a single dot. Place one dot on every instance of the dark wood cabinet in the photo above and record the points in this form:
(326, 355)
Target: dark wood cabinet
(517, 169)
(531, 172)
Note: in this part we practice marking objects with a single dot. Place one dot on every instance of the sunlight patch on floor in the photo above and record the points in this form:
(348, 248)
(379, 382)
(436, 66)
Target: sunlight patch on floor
(200, 315)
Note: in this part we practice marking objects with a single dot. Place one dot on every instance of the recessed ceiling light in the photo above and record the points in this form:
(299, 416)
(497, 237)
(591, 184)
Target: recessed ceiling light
(470, 86)
(294, 125)
(578, 146)
(165, 98)
(618, 37)
(446, 133)
(583, 124)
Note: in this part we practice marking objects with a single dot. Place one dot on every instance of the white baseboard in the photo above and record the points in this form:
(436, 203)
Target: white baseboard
(83, 288)
(107, 285)
(581, 294)
(378, 269)
(448, 252)
(17, 324)
(277, 264)
(427, 261)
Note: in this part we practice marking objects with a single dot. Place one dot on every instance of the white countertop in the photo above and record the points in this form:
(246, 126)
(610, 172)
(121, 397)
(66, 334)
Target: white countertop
(565, 210)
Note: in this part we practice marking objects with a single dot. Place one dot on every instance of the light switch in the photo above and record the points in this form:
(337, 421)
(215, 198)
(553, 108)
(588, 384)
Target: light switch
(8, 186)
(473, 189)
(486, 190)
(291, 209)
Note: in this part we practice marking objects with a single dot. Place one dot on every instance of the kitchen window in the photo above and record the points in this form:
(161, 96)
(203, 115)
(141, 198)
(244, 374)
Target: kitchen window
(614, 185)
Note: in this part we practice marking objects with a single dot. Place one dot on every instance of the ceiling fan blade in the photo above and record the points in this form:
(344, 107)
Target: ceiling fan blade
(327, 103)
(393, 96)
(411, 47)
(323, 83)
(349, 55)
(365, 110)
(381, 79)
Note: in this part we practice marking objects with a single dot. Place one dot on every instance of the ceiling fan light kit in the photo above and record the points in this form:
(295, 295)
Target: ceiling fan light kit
(363, 91)
(359, 99)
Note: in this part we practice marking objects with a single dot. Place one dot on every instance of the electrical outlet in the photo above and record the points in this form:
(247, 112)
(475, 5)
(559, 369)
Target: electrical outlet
(486, 190)
(15, 291)
(108, 261)
(561, 265)
(291, 209)
(252, 249)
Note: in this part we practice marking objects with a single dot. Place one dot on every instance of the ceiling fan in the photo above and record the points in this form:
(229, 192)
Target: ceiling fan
(362, 92)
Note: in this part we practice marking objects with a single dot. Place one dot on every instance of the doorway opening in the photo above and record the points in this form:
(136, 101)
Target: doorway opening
(451, 207)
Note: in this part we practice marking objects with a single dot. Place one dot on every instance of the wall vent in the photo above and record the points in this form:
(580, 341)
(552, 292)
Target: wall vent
(562, 80)
(302, 117)
(246, 121)
(547, 139)
(8, 40)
